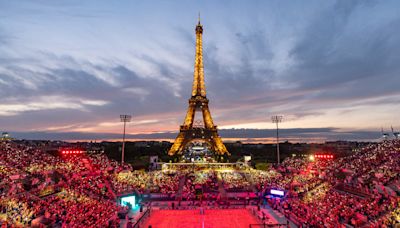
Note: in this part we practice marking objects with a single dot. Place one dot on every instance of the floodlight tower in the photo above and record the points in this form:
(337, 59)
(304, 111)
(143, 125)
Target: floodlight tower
(277, 119)
(125, 119)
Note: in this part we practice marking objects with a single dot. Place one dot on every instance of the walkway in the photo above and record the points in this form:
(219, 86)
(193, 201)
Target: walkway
(279, 217)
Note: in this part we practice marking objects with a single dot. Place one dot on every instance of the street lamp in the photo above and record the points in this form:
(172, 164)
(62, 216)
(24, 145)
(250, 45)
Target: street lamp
(277, 120)
(125, 119)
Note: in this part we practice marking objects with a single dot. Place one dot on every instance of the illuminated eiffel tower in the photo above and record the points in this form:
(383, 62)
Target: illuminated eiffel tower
(190, 130)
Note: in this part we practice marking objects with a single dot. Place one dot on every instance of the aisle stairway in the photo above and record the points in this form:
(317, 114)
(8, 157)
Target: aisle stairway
(182, 181)
(278, 216)
(250, 180)
(110, 189)
(221, 188)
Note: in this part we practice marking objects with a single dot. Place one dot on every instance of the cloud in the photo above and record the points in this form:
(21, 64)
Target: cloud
(30, 92)
(336, 61)
(228, 135)
(315, 63)
(47, 103)
(338, 51)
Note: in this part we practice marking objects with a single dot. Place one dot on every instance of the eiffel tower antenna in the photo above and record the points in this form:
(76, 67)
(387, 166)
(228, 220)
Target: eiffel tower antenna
(199, 17)
(198, 102)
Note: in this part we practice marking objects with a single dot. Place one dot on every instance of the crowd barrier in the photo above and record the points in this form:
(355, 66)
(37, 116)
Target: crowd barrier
(267, 225)
(139, 223)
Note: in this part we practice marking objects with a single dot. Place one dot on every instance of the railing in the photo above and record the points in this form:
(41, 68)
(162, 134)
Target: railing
(264, 219)
(268, 225)
(142, 219)
(352, 190)
(205, 207)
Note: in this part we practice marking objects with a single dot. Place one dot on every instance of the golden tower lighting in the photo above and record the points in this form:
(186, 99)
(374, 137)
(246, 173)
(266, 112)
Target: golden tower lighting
(198, 102)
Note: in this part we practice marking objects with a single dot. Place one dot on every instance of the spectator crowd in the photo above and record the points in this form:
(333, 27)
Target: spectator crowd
(81, 191)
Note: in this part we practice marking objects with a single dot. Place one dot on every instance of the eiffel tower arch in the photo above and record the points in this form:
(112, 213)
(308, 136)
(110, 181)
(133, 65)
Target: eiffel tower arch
(198, 104)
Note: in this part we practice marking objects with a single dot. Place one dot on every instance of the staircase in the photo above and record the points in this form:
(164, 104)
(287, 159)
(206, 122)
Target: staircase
(182, 181)
(221, 188)
(110, 189)
(250, 180)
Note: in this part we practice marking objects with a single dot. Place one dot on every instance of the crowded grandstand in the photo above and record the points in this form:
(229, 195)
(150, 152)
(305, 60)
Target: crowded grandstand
(83, 190)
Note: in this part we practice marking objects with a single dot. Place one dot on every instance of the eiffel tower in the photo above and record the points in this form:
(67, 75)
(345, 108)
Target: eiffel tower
(190, 130)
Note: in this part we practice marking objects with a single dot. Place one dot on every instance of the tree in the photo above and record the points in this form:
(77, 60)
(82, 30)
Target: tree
(262, 166)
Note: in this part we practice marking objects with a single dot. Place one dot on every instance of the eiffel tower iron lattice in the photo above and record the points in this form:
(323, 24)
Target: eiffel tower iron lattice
(190, 131)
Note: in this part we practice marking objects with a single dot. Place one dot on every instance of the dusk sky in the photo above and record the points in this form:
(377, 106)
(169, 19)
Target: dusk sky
(75, 66)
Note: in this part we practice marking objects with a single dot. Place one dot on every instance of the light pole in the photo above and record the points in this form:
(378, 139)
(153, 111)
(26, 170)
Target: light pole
(277, 120)
(125, 119)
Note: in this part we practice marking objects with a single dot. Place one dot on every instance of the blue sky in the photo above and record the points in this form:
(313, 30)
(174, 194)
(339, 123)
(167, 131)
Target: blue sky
(74, 66)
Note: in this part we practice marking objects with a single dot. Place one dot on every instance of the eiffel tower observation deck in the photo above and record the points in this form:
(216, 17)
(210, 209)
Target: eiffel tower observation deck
(198, 132)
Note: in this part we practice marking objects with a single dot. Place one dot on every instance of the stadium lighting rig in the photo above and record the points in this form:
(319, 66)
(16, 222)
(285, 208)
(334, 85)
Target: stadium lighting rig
(124, 119)
(71, 152)
(326, 156)
(277, 119)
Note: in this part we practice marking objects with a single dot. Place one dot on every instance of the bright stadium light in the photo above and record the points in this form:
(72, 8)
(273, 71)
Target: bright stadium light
(277, 120)
(125, 119)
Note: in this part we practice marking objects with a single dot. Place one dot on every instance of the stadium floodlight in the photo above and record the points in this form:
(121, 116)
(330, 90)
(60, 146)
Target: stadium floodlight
(277, 119)
(125, 119)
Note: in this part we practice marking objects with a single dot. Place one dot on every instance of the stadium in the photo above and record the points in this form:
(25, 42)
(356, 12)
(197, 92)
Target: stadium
(197, 180)
(77, 188)
(91, 190)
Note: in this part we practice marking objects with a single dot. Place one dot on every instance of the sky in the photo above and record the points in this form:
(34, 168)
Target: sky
(68, 69)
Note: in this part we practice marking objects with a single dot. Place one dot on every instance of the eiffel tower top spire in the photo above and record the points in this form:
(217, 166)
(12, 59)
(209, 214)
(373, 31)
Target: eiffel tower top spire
(199, 18)
(199, 88)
